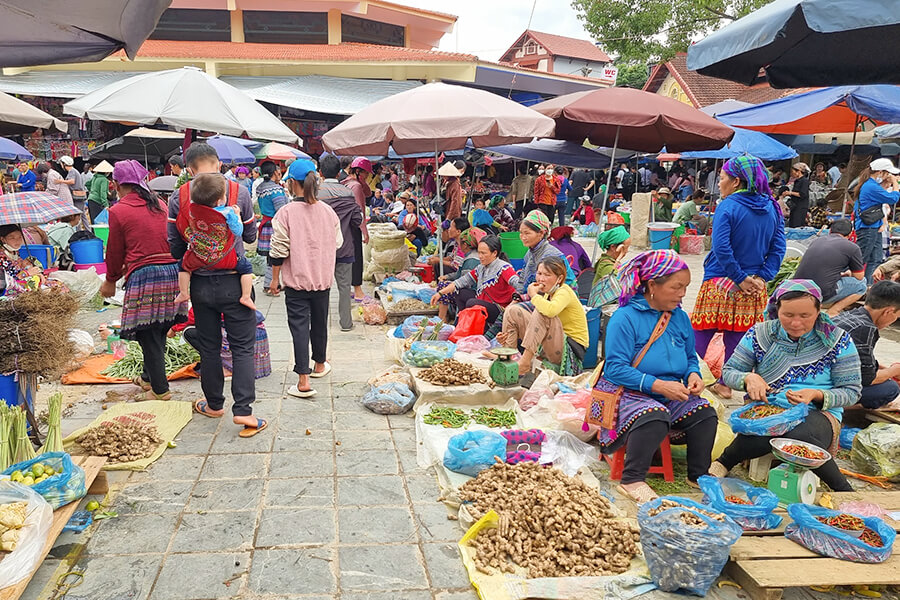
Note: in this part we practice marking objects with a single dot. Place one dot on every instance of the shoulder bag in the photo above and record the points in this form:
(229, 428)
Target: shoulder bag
(604, 406)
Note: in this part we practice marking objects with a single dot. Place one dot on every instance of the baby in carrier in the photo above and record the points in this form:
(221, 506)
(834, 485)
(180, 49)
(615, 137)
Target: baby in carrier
(210, 220)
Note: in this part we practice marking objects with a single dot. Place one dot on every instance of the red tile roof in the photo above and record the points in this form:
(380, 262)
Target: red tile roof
(346, 52)
(559, 45)
(704, 90)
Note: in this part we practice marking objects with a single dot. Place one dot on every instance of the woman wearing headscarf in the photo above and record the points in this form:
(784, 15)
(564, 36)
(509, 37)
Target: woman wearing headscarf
(533, 232)
(797, 356)
(17, 274)
(747, 249)
(138, 251)
(468, 245)
(270, 197)
(797, 197)
(561, 239)
(661, 391)
(606, 288)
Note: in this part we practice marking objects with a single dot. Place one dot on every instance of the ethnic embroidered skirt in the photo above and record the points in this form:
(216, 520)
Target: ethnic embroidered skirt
(722, 306)
(150, 300)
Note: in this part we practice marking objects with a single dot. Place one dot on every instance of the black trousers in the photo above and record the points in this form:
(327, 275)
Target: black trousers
(465, 298)
(548, 209)
(215, 297)
(153, 346)
(307, 314)
(643, 442)
(94, 209)
(357, 257)
(816, 429)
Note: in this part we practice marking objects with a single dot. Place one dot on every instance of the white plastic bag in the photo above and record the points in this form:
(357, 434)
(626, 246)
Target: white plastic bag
(84, 283)
(18, 564)
(566, 452)
(82, 342)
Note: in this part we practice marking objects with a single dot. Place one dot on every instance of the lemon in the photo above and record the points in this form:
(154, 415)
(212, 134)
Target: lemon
(29, 481)
(49, 471)
(16, 475)
(37, 469)
(92, 505)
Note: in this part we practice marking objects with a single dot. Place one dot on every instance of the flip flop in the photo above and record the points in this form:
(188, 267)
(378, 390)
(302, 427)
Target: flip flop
(248, 431)
(639, 495)
(327, 370)
(298, 393)
(200, 407)
(139, 381)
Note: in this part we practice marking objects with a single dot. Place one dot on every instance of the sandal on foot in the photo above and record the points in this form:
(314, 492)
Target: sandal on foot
(141, 383)
(692, 484)
(641, 494)
(248, 431)
(298, 393)
(202, 407)
(323, 373)
(717, 469)
(148, 395)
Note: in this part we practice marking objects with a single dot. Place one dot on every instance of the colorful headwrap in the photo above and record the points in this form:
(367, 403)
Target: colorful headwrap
(472, 236)
(824, 325)
(752, 170)
(613, 236)
(558, 233)
(539, 220)
(496, 199)
(481, 217)
(645, 267)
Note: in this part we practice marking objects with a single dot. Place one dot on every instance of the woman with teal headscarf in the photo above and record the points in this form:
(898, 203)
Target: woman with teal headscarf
(605, 288)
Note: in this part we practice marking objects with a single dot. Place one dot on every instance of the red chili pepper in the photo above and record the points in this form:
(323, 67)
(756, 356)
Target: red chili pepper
(802, 452)
(736, 500)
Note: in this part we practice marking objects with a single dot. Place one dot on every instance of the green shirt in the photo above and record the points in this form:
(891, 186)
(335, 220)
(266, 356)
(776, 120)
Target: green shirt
(687, 211)
(99, 188)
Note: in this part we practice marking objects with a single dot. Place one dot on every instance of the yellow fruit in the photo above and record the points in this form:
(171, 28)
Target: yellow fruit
(49, 471)
(16, 475)
(29, 481)
(37, 469)
(92, 505)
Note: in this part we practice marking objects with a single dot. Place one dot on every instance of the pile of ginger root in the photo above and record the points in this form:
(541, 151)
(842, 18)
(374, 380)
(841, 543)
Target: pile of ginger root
(551, 525)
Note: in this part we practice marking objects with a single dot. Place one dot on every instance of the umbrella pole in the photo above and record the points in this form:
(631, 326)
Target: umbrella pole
(846, 197)
(437, 187)
(606, 195)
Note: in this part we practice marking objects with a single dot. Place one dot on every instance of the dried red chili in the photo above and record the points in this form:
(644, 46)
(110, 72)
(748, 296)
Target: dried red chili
(737, 500)
(844, 521)
(761, 411)
(870, 537)
(803, 452)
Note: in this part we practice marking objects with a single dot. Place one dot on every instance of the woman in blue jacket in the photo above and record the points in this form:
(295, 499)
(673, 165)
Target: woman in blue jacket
(661, 395)
(879, 187)
(747, 249)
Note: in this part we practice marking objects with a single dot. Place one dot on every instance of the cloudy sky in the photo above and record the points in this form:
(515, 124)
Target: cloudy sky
(488, 27)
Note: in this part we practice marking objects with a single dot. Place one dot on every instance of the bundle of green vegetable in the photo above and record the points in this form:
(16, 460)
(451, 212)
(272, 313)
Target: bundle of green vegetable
(494, 417)
(6, 447)
(24, 450)
(178, 354)
(54, 442)
(787, 270)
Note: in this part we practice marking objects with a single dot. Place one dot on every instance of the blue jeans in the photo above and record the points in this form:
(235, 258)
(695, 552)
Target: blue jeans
(876, 396)
(571, 204)
(561, 213)
(846, 287)
(869, 241)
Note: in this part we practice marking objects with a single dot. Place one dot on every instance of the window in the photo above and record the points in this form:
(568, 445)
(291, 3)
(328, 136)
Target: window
(365, 31)
(530, 48)
(188, 24)
(281, 27)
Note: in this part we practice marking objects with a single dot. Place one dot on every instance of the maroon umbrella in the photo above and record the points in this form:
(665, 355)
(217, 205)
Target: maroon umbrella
(639, 120)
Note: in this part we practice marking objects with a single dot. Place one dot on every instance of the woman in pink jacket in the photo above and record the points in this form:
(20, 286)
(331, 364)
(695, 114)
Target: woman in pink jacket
(306, 234)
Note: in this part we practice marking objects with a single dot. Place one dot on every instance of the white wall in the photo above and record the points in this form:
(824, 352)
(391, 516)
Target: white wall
(572, 66)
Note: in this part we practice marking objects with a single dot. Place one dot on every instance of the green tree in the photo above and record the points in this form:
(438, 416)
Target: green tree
(655, 30)
(633, 75)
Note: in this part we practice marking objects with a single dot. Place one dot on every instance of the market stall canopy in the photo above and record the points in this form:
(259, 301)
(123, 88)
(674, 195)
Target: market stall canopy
(163, 183)
(436, 117)
(557, 152)
(186, 98)
(276, 151)
(17, 116)
(634, 119)
(43, 32)
(140, 144)
(33, 208)
(805, 43)
(9, 150)
(838, 109)
(746, 141)
(723, 107)
(231, 151)
(888, 133)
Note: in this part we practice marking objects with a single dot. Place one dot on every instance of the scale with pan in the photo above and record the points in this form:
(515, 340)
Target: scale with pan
(504, 371)
(793, 481)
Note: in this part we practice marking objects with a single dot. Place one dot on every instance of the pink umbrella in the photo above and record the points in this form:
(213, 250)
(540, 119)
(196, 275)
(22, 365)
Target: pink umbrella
(436, 117)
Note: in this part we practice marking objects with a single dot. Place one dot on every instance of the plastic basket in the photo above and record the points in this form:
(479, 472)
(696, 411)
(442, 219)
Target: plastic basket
(661, 235)
(45, 254)
(512, 245)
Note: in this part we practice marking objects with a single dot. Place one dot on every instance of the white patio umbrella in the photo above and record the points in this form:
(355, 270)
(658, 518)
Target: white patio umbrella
(186, 98)
(17, 116)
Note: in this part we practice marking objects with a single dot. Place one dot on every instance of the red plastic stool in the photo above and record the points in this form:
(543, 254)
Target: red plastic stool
(617, 462)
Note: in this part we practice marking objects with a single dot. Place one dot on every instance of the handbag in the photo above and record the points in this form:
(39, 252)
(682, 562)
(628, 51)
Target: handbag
(604, 406)
(871, 215)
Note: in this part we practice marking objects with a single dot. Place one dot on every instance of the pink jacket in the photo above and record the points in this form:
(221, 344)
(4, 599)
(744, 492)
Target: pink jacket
(307, 237)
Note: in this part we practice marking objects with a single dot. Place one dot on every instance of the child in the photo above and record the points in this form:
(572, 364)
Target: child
(415, 234)
(211, 226)
(60, 232)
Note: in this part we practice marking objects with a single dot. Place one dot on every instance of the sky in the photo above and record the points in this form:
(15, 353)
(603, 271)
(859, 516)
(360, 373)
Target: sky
(487, 28)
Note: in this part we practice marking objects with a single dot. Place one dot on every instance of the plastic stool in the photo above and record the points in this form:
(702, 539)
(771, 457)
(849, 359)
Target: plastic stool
(617, 463)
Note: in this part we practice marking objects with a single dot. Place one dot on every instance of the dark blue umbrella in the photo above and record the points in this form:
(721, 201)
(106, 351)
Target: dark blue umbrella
(9, 150)
(231, 151)
(557, 152)
(746, 141)
(804, 43)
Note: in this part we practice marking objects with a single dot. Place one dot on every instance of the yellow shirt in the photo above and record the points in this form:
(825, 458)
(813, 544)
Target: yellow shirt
(565, 305)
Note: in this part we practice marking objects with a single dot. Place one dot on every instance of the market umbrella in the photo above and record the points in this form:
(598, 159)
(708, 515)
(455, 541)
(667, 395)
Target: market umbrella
(888, 133)
(557, 152)
(33, 208)
(140, 144)
(746, 141)
(17, 116)
(163, 183)
(435, 117)
(43, 32)
(805, 43)
(276, 151)
(230, 151)
(9, 150)
(185, 98)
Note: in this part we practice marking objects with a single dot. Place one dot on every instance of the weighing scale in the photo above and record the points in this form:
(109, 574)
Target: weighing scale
(504, 371)
(793, 482)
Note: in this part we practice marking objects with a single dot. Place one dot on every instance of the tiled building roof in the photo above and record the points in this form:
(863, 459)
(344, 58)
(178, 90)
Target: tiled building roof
(559, 45)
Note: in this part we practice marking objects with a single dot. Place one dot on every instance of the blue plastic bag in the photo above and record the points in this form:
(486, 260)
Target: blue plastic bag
(758, 516)
(413, 324)
(681, 557)
(389, 399)
(102, 218)
(823, 539)
(471, 452)
(65, 486)
(772, 426)
(428, 353)
(847, 435)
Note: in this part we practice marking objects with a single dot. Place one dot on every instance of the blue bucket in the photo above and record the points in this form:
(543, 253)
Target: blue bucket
(44, 253)
(87, 252)
(591, 352)
(9, 391)
(661, 235)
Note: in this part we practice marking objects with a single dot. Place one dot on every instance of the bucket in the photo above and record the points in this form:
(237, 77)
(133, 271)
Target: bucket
(99, 267)
(102, 232)
(591, 352)
(627, 217)
(517, 263)
(45, 254)
(427, 273)
(691, 244)
(9, 391)
(512, 245)
(661, 235)
(87, 252)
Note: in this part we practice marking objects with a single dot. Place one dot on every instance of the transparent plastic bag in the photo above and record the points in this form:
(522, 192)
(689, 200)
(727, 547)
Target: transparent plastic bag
(412, 325)
(82, 343)
(681, 557)
(774, 425)
(876, 450)
(84, 283)
(429, 353)
(473, 344)
(470, 452)
(566, 452)
(823, 539)
(389, 399)
(66, 485)
(393, 374)
(373, 314)
(18, 564)
(758, 516)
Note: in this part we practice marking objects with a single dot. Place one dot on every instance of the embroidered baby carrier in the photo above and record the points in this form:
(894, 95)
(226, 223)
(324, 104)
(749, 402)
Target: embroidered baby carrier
(210, 241)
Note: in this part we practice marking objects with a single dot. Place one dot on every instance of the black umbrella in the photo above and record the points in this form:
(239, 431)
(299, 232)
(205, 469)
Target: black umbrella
(805, 43)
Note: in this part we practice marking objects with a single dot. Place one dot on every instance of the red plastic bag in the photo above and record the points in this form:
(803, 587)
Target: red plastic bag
(715, 355)
(471, 321)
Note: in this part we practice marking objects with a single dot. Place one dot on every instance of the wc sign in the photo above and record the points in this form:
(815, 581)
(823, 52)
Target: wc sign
(608, 75)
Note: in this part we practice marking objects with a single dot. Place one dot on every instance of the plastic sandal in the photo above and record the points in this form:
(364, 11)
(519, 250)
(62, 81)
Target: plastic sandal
(201, 406)
(248, 431)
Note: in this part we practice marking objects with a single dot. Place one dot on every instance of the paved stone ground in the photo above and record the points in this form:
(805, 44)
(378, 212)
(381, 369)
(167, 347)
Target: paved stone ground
(342, 512)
